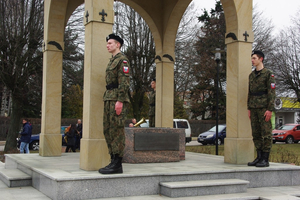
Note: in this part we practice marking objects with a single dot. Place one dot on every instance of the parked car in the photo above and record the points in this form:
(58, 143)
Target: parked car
(209, 137)
(288, 133)
(177, 123)
(183, 123)
(34, 143)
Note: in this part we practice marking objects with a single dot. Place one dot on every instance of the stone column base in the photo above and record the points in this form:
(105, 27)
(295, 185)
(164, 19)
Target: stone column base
(238, 150)
(50, 144)
(93, 154)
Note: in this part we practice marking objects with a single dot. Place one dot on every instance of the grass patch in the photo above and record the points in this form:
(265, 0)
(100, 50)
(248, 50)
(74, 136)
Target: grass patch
(207, 149)
(280, 153)
(285, 153)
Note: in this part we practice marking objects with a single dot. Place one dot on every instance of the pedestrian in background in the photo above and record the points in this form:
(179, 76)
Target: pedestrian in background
(25, 137)
(260, 104)
(133, 121)
(152, 104)
(71, 134)
(79, 133)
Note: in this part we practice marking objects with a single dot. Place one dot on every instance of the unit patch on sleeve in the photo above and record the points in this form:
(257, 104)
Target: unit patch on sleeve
(125, 69)
(272, 85)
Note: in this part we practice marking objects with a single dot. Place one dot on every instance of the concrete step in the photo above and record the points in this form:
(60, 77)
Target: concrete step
(203, 187)
(14, 177)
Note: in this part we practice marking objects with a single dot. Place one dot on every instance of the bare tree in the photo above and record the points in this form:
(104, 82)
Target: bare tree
(21, 34)
(185, 53)
(139, 47)
(282, 52)
(264, 39)
(287, 62)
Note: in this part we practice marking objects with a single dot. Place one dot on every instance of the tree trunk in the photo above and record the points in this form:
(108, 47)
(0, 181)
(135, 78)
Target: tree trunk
(14, 126)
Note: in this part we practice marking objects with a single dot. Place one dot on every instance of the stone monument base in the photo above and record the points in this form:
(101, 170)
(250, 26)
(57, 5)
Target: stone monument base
(154, 145)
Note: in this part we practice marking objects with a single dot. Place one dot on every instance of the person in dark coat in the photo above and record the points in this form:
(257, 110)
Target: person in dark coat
(152, 104)
(71, 138)
(79, 134)
(25, 137)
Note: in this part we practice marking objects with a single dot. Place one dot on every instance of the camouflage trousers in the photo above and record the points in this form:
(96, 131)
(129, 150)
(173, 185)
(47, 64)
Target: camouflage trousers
(152, 121)
(113, 127)
(261, 130)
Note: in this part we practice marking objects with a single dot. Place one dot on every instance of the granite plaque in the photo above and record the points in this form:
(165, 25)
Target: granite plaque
(156, 141)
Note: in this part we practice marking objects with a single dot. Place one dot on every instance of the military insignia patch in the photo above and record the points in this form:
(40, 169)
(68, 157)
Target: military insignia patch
(125, 61)
(272, 75)
(126, 69)
(273, 85)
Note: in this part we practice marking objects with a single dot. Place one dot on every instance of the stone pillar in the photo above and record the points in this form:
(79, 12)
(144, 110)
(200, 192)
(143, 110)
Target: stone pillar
(93, 148)
(238, 147)
(164, 93)
(50, 137)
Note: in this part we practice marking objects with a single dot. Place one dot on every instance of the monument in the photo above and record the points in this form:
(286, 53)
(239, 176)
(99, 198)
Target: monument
(163, 18)
(75, 176)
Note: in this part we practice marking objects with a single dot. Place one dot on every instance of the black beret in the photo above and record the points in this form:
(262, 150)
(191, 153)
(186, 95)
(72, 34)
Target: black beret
(257, 52)
(115, 37)
(154, 79)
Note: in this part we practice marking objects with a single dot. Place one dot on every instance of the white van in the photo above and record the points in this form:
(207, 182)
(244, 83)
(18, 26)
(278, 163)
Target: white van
(183, 123)
(177, 123)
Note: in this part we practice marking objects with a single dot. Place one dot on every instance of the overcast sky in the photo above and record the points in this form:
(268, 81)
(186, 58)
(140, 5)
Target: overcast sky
(279, 11)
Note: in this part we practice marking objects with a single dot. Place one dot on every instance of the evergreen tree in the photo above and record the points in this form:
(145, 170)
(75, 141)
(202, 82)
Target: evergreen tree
(73, 104)
(203, 95)
(179, 111)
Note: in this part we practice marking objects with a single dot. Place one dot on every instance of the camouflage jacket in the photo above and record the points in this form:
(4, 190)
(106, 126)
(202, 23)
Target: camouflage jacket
(117, 74)
(261, 92)
(152, 103)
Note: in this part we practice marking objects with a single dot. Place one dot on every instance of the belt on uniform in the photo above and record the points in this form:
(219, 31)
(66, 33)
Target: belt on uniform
(112, 86)
(258, 93)
(152, 104)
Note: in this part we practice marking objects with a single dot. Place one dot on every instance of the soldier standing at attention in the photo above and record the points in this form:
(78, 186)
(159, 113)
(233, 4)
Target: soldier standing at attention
(260, 104)
(116, 101)
(152, 104)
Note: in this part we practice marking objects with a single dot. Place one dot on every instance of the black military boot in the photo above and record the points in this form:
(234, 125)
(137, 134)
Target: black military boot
(115, 167)
(264, 162)
(112, 157)
(256, 160)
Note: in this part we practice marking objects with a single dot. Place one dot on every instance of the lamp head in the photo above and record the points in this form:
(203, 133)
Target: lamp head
(218, 54)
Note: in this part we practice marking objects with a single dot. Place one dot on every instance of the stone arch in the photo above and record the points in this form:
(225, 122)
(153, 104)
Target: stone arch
(56, 15)
(173, 22)
(153, 27)
(163, 18)
(158, 32)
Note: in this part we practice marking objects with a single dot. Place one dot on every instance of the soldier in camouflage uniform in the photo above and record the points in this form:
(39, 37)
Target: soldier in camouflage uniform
(116, 101)
(152, 104)
(260, 104)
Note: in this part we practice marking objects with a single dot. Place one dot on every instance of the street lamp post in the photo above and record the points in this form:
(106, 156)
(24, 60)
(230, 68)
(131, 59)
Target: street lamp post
(217, 59)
